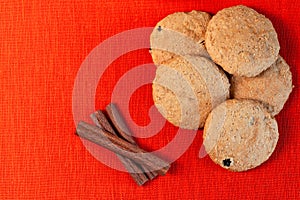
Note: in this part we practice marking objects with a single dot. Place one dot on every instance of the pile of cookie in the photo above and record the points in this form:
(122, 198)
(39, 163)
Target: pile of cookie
(224, 74)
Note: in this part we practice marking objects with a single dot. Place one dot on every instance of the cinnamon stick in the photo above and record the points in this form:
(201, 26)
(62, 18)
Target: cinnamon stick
(118, 123)
(121, 147)
(123, 130)
(134, 170)
(100, 120)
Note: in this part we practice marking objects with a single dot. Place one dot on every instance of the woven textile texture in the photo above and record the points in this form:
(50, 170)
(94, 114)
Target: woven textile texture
(42, 46)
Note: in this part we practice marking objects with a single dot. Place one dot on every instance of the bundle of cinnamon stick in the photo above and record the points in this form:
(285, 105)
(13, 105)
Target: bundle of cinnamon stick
(112, 133)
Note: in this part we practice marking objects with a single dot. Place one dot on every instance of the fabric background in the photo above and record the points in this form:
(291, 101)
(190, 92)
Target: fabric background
(42, 45)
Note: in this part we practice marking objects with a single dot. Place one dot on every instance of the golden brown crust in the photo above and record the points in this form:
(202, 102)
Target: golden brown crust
(242, 41)
(180, 33)
(240, 134)
(272, 87)
(186, 89)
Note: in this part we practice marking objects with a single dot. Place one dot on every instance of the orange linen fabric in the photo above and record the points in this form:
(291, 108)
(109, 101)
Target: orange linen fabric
(42, 45)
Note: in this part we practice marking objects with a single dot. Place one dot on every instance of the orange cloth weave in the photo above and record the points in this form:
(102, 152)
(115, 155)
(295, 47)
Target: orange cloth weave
(42, 45)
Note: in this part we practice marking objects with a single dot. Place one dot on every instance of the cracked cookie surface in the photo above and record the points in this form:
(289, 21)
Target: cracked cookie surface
(272, 87)
(240, 134)
(242, 41)
(180, 33)
(185, 90)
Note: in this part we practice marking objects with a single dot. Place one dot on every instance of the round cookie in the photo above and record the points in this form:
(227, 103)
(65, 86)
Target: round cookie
(180, 33)
(242, 41)
(272, 87)
(240, 134)
(185, 90)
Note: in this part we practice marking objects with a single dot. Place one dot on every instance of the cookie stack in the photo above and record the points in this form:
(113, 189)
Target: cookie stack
(224, 74)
